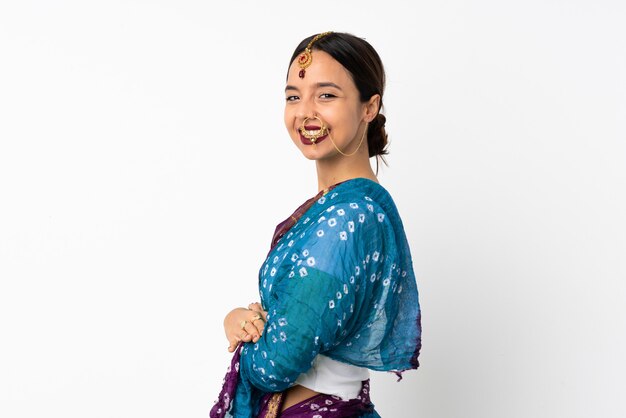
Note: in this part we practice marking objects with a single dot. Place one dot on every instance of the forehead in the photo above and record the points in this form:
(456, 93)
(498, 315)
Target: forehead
(323, 68)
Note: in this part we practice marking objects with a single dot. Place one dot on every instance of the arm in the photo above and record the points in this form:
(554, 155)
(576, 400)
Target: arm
(314, 299)
(307, 316)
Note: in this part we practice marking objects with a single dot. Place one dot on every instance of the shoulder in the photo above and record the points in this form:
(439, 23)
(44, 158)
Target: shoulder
(358, 209)
(361, 189)
(359, 200)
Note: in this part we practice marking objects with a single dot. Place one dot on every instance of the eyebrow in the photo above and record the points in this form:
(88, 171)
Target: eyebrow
(318, 85)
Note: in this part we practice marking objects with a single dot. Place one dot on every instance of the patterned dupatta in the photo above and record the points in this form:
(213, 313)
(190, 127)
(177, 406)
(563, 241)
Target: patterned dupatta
(337, 281)
(288, 223)
(229, 384)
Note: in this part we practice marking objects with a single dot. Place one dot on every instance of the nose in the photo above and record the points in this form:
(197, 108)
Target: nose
(305, 109)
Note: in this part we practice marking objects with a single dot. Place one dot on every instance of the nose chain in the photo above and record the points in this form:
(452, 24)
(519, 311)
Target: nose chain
(323, 130)
(357, 148)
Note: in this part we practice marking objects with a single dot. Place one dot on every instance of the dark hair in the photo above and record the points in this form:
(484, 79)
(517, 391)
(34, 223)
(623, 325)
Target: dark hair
(367, 71)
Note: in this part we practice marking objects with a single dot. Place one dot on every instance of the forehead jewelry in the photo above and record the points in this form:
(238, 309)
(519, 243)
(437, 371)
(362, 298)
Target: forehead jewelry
(313, 135)
(305, 58)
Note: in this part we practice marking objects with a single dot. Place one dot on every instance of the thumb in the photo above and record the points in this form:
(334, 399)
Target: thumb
(232, 345)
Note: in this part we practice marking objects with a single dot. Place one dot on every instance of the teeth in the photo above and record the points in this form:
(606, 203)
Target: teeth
(314, 132)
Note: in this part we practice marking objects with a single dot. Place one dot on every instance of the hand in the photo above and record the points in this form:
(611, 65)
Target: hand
(253, 322)
(256, 306)
(260, 323)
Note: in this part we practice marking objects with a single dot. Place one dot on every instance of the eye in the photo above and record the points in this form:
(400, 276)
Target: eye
(291, 98)
(327, 96)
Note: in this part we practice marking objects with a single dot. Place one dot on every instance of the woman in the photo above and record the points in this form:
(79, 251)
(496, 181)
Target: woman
(338, 293)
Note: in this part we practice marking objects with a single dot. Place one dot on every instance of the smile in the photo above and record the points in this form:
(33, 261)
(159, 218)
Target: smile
(311, 134)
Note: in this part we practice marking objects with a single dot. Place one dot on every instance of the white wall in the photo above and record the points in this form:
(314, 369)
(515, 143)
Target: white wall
(141, 152)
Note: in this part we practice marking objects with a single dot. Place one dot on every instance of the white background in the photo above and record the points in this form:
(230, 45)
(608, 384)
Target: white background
(144, 165)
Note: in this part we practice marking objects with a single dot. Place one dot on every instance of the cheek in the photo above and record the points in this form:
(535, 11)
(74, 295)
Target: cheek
(287, 118)
(342, 119)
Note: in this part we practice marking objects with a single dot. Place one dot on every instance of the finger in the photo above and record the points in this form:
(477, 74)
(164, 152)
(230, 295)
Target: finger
(232, 344)
(258, 312)
(258, 319)
(245, 336)
(262, 314)
(258, 323)
(252, 331)
(256, 307)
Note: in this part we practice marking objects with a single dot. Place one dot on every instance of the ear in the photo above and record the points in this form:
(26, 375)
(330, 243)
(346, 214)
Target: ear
(371, 108)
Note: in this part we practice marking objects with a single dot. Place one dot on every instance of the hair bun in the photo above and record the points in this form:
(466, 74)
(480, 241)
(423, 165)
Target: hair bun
(377, 136)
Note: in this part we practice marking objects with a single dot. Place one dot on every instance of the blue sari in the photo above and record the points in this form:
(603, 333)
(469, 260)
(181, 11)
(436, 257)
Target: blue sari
(339, 282)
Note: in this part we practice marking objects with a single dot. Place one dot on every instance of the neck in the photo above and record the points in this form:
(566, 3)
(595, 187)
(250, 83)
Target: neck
(343, 168)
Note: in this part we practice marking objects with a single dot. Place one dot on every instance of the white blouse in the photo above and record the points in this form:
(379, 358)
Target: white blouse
(334, 377)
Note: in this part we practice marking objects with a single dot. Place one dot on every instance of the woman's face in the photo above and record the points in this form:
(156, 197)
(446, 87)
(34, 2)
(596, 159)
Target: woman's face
(327, 90)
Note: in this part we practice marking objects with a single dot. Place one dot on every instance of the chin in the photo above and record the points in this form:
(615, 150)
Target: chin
(310, 154)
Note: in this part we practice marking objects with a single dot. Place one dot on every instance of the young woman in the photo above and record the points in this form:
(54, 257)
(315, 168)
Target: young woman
(338, 293)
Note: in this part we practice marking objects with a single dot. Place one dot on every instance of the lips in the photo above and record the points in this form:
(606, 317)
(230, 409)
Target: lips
(311, 130)
(311, 134)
